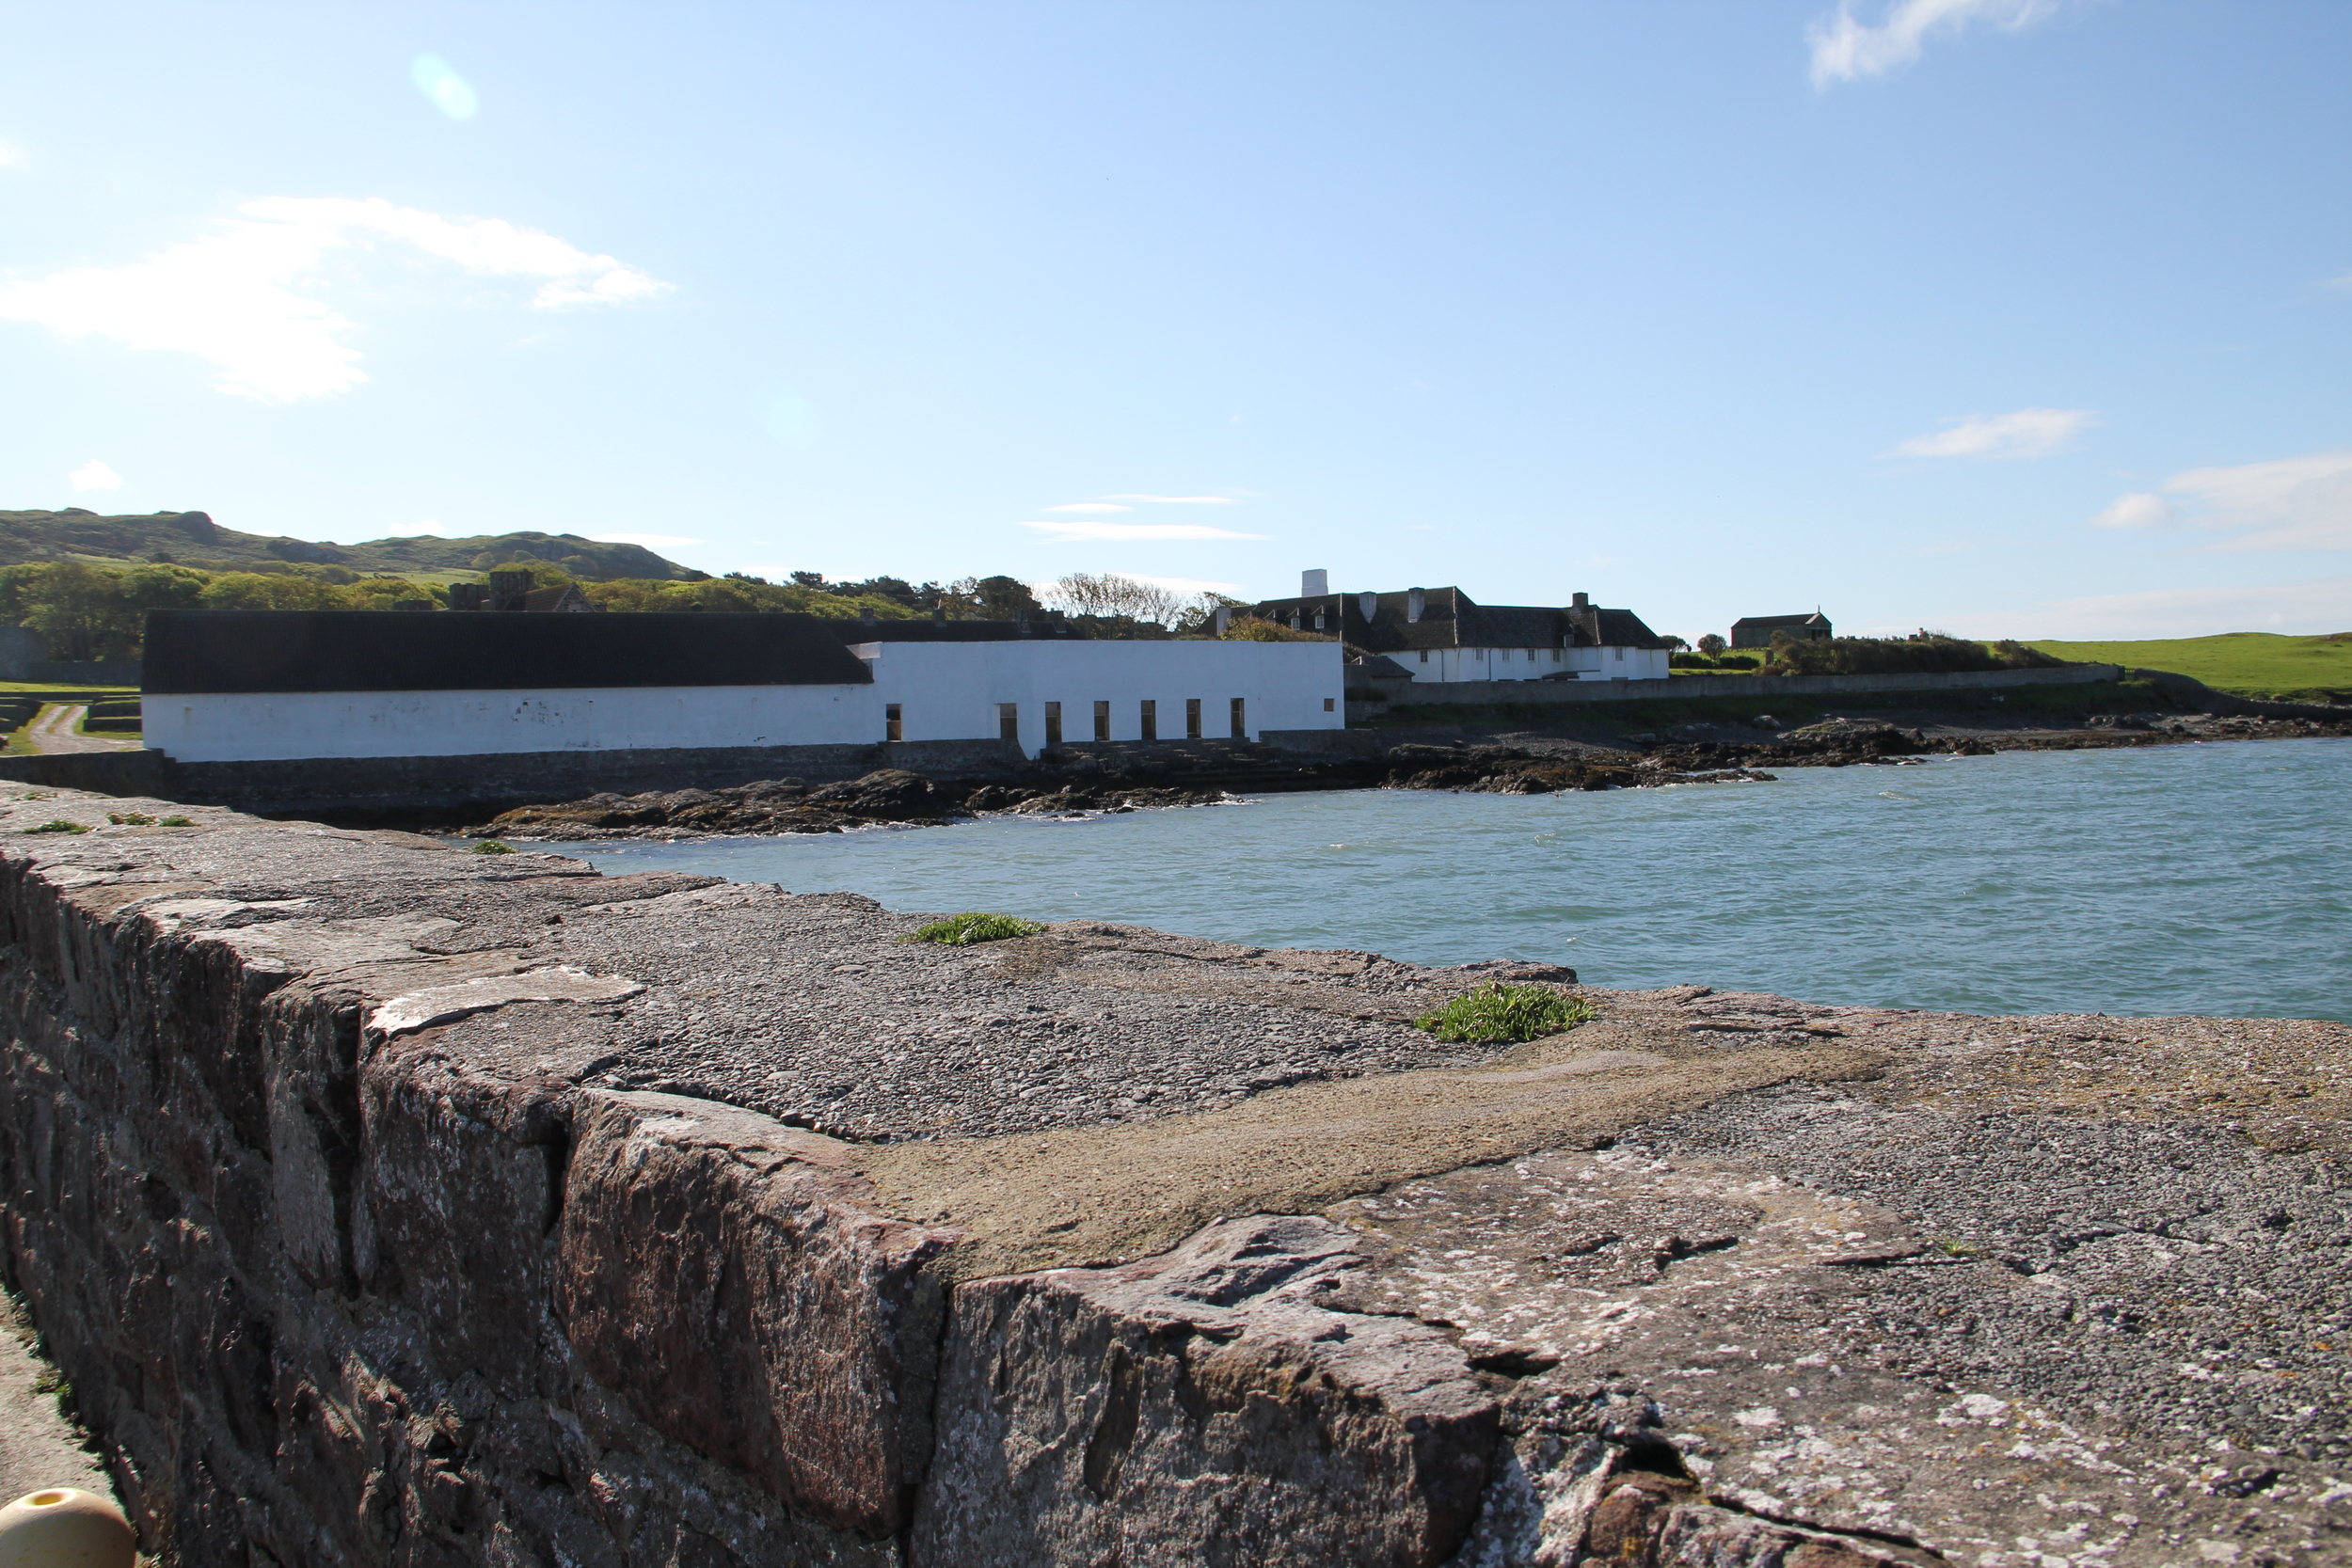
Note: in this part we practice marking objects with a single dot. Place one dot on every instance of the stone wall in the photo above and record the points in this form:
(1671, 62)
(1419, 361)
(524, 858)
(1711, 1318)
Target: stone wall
(25, 656)
(331, 1291)
(390, 1204)
(1685, 687)
(484, 786)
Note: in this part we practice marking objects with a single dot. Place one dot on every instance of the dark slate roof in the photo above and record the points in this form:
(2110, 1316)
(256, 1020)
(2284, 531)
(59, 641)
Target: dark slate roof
(213, 651)
(1622, 628)
(1777, 623)
(1451, 619)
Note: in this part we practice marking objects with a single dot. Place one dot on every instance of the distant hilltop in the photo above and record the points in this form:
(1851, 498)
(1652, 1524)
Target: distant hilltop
(193, 539)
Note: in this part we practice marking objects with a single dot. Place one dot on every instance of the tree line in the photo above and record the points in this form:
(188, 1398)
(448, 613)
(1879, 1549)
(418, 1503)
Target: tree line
(100, 612)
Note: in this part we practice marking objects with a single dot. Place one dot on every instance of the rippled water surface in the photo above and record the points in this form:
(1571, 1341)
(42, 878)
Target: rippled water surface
(2195, 878)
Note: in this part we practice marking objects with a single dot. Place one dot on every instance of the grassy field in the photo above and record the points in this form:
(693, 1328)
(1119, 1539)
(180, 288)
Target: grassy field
(2251, 663)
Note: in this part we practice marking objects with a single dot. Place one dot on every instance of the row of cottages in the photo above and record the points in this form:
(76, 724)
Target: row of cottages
(1441, 634)
(240, 685)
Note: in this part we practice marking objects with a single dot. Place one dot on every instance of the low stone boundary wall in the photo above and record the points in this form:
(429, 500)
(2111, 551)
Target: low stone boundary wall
(1685, 687)
(488, 785)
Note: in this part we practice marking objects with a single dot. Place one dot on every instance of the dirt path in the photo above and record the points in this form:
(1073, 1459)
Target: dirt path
(37, 1448)
(54, 730)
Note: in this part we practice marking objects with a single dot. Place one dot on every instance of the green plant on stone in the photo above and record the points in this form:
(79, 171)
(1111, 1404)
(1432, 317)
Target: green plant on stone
(1498, 1013)
(61, 825)
(175, 822)
(129, 819)
(961, 930)
(492, 847)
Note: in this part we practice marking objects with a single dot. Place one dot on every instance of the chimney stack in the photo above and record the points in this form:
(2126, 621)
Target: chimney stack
(1579, 601)
(1368, 606)
(1224, 618)
(1314, 583)
(1416, 601)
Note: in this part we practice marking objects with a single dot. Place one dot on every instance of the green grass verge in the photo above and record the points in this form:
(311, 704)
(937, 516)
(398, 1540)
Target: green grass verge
(2250, 663)
(961, 930)
(1498, 1013)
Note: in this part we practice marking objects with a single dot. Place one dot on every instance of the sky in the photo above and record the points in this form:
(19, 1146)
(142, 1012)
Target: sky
(2002, 317)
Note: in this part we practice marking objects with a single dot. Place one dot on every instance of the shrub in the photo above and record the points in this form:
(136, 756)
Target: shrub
(61, 825)
(175, 822)
(1497, 1013)
(129, 819)
(492, 847)
(963, 930)
(1924, 653)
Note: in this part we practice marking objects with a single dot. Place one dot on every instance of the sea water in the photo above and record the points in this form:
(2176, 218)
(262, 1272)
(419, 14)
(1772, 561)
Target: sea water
(2186, 878)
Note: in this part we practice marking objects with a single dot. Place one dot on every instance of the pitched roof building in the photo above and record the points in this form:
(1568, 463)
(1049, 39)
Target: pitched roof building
(1756, 631)
(1442, 634)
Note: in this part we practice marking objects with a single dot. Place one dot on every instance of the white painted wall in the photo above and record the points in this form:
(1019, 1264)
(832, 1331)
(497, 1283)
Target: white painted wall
(946, 690)
(1513, 664)
(951, 690)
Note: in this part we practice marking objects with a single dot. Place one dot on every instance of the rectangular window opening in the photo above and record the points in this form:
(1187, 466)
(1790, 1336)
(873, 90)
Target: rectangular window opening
(1102, 720)
(1192, 718)
(1326, 704)
(1053, 723)
(1008, 721)
(1241, 720)
(1424, 656)
(893, 725)
(1150, 720)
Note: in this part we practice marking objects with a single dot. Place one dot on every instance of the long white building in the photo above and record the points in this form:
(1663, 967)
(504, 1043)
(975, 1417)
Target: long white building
(235, 686)
(1441, 634)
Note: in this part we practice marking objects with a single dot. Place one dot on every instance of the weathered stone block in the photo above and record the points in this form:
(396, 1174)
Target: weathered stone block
(732, 1279)
(1200, 1408)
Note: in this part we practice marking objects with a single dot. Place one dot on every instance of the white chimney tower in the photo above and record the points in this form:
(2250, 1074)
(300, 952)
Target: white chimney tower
(1314, 584)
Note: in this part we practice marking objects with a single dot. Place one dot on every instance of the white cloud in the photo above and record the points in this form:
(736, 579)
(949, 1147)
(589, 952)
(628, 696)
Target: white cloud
(1177, 500)
(650, 541)
(1065, 529)
(2139, 509)
(10, 156)
(2291, 503)
(95, 475)
(2027, 433)
(1089, 506)
(1846, 48)
(231, 296)
(2302, 609)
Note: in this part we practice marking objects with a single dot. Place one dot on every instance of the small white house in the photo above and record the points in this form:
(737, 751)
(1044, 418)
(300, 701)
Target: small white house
(1441, 634)
(232, 686)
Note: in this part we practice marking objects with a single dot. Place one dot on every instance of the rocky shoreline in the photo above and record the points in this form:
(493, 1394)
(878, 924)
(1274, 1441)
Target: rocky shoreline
(1086, 782)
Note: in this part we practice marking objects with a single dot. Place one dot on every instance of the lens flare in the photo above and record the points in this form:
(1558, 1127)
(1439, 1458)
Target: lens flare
(451, 93)
(790, 418)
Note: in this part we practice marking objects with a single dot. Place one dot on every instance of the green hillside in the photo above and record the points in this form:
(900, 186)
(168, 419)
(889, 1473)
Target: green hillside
(2250, 663)
(193, 539)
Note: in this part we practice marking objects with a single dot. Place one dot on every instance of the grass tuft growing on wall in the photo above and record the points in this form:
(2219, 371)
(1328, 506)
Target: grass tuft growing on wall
(492, 847)
(1494, 1014)
(61, 825)
(961, 930)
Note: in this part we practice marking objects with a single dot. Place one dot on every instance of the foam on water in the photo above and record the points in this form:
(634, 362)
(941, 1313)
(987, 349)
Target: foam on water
(2194, 879)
